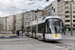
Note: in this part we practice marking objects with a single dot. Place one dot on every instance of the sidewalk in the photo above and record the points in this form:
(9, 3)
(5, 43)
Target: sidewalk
(7, 35)
(69, 37)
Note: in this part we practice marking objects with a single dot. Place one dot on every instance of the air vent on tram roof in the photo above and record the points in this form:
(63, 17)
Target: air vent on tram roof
(44, 17)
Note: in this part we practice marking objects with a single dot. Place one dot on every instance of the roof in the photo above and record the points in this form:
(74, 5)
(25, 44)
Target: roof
(42, 20)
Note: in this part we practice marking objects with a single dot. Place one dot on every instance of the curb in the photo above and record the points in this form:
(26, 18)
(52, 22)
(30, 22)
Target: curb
(9, 37)
(2, 37)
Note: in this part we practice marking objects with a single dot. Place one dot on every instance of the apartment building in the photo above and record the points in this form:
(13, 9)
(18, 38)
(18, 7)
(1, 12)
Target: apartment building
(47, 10)
(1, 25)
(8, 24)
(32, 15)
(66, 10)
(39, 14)
(4, 23)
(27, 18)
(22, 21)
(11, 22)
(51, 9)
(18, 22)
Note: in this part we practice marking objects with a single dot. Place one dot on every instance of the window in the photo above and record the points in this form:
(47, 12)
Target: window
(35, 17)
(67, 24)
(73, 11)
(52, 7)
(73, 2)
(53, 26)
(67, 20)
(40, 28)
(29, 29)
(54, 10)
(67, 7)
(74, 25)
(66, 3)
(48, 30)
(73, 7)
(73, 20)
(73, 16)
(67, 11)
(34, 29)
(67, 16)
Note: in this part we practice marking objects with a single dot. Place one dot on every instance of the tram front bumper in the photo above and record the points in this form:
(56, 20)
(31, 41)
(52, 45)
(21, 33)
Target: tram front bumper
(53, 39)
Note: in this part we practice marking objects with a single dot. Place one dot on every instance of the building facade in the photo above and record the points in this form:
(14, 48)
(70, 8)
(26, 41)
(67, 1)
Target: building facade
(51, 9)
(66, 11)
(47, 10)
(8, 24)
(39, 14)
(1, 25)
(31, 16)
(11, 22)
(27, 18)
(4, 20)
(18, 22)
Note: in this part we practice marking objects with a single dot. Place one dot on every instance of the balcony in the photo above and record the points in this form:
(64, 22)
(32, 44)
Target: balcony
(60, 1)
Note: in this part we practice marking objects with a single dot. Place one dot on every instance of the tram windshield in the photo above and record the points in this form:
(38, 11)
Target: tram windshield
(54, 25)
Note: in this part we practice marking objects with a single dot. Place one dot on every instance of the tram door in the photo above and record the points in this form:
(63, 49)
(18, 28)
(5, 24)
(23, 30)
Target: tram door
(41, 30)
(34, 31)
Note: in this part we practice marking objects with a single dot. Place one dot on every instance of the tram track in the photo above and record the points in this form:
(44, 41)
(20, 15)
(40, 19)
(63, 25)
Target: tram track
(23, 41)
(66, 46)
(61, 44)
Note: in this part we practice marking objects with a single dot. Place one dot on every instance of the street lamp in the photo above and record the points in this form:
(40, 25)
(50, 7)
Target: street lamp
(71, 16)
(63, 26)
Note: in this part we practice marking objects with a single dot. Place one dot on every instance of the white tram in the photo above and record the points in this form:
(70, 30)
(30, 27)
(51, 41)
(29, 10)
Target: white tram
(48, 28)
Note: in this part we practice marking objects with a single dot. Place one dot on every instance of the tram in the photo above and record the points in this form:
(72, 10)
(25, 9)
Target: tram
(48, 28)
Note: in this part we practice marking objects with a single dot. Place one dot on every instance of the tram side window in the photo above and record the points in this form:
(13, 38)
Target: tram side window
(34, 29)
(48, 30)
(40, 28)
(29, 29)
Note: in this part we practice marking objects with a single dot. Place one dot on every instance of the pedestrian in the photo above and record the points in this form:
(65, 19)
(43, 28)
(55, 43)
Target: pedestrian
(20, 32)
(17, 33)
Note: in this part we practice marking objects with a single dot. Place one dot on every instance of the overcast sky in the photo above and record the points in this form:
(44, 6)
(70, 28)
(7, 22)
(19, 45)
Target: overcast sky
(13, 7)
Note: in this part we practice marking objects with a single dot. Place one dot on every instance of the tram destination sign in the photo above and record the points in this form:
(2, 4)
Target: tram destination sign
(53, 19)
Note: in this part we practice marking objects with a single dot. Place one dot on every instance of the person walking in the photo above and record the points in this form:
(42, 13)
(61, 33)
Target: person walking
(20, 32)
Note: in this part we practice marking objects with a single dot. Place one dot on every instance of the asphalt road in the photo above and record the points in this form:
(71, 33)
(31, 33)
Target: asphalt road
(26, 43)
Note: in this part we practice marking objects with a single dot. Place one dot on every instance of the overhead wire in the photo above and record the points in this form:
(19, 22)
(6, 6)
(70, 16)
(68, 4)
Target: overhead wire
(21, 3)
(31, 3)
(39, 6)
